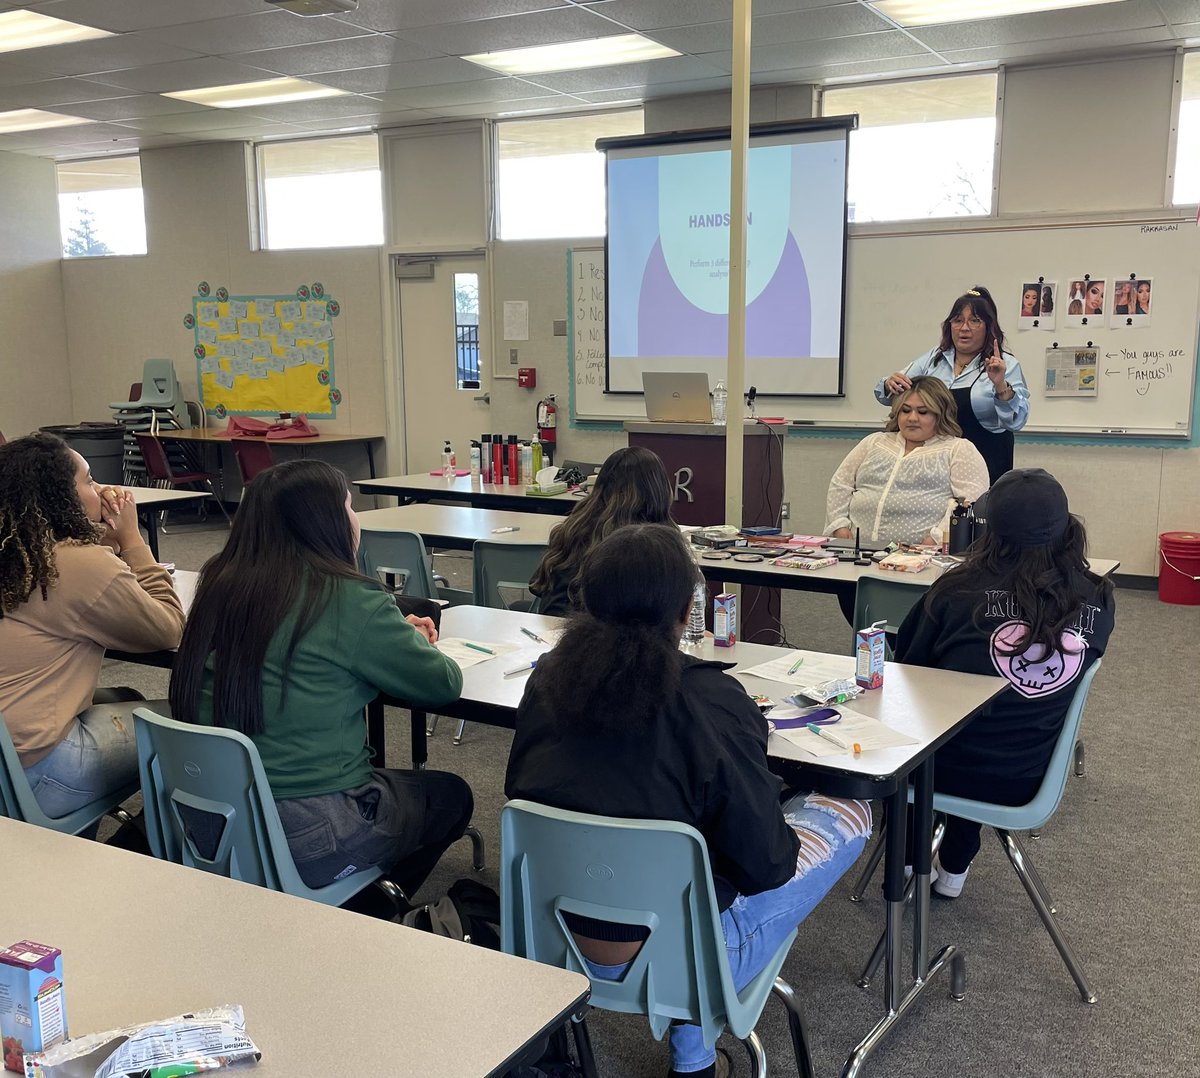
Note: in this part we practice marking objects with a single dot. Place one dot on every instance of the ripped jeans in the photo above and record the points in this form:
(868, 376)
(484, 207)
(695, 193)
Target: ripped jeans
(833, 832)
(97, 754)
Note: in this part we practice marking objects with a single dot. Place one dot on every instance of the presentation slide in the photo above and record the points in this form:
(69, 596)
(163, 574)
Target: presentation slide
(668, 261)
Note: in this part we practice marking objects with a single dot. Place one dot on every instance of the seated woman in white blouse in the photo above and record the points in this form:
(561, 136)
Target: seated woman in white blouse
(900, 485)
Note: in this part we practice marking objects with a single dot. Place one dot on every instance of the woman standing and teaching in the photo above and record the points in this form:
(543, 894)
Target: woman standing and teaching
(984, 378)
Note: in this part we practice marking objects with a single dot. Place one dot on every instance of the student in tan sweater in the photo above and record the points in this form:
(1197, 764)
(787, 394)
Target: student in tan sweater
(76, 578)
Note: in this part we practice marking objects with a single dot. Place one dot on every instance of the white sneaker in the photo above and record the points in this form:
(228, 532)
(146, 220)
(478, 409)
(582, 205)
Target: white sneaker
(933, 872)
(948, 884)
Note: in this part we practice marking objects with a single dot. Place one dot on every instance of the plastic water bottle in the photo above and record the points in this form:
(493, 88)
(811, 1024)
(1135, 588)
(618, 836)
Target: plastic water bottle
(448, 462)
(720, 398)
(694, 632)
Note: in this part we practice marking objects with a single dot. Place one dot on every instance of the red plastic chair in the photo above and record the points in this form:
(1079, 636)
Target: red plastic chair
(159, 470)
(252, 457)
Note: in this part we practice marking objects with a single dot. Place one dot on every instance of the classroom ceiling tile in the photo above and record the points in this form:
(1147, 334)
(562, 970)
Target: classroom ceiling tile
(269, 28)
(187, 75)
(12, 72)
(49, 92)
(514, 31)
(332, 108)
(885, 46)
(405, 14)
(1081, 44)
(819, 24)
(106, 54)
(462, 93)
(348, 54)
(183, 122)
(926, 64)
(133, 107)
(661, 14)
(125, 15)
(375, 80)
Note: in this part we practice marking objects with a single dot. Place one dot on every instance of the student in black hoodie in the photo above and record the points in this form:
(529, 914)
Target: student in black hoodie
(616, 721)
(1024, 605)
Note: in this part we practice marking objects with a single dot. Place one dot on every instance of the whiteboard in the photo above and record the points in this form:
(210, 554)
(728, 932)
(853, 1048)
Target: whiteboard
(900, 287)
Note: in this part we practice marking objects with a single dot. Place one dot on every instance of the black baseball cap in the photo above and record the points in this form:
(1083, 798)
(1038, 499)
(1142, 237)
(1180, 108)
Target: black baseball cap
(1028, 507)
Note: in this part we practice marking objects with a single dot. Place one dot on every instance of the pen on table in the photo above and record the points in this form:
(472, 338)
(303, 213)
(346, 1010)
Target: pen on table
(795, 666)
(820, 731)
(521, 669)
(478, 647)
(533, 636)
(501, 531)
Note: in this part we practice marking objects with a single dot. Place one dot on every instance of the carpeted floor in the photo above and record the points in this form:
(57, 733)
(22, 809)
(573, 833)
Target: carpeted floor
(1116, 858)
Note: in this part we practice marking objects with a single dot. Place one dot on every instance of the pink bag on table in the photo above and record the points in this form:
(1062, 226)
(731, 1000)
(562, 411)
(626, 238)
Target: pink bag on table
(241, 426)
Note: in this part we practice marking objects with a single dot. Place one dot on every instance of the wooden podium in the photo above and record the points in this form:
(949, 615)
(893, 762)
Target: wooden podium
(694, 455)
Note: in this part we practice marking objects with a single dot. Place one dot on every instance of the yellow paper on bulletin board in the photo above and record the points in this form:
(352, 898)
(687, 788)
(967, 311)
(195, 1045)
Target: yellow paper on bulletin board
(261, 355)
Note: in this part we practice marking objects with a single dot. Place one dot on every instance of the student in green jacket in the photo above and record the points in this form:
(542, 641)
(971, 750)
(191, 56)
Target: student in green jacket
(287, 642)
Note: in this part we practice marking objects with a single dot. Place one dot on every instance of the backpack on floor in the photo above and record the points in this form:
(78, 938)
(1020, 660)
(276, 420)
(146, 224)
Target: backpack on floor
(469, 911)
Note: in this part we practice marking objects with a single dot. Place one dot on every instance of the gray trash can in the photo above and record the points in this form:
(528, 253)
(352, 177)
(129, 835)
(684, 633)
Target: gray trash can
(98, 443)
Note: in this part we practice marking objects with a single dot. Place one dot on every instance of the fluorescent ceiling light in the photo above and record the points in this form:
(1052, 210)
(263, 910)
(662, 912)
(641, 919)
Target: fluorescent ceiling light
(245, 94)
(928, 12)
(573, 55)
(28, 30)
(35, 120)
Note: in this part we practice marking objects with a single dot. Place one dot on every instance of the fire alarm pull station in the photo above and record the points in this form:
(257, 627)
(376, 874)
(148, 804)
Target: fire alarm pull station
(527, 377)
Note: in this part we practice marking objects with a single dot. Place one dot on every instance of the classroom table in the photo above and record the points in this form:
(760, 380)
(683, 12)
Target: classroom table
(458, 527)
(151, 501)
(927, 704)
(206, 436)
(436, 488)
(323, 990)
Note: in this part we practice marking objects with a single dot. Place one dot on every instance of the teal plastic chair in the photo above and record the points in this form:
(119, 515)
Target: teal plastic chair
(1006, 820)
(880, 597)
(18, 803)
(208, 805)
(653, 873)
(399, 561)
(502, 572)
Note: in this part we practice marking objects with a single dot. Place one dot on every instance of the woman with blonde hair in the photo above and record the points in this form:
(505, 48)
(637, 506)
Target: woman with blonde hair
(901, 483)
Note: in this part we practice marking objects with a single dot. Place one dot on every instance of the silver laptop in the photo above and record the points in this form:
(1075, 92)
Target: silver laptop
(676, 397)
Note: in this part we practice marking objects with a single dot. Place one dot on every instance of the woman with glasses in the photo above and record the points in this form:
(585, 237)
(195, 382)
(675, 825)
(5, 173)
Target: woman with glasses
(982, 375)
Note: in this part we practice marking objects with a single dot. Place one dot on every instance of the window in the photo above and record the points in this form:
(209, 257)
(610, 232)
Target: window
(466, 329)
(550, 177)
(100, 207)
(321, 193)
(923, 148)
(1187, 142)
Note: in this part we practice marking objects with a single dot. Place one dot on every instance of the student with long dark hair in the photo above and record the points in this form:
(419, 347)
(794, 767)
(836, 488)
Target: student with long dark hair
(972, 358)
(287, 643)
(76, 577)
(1024, 605)
(632, 488)
(616, 720)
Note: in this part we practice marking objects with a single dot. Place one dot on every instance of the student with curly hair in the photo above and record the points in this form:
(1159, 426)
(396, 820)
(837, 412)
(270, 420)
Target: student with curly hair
(76, 577)
(632, 488)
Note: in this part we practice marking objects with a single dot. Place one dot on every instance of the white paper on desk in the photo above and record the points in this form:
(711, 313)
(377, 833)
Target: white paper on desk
(455, 647)
(854, 728)
(815, 668)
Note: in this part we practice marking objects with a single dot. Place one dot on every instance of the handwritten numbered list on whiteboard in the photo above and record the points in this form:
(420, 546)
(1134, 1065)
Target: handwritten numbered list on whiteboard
(587, 317)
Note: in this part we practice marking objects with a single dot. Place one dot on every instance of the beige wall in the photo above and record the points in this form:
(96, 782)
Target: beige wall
(121, 311)
(33, 346)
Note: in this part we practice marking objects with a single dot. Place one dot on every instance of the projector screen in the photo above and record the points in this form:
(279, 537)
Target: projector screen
(667, 256)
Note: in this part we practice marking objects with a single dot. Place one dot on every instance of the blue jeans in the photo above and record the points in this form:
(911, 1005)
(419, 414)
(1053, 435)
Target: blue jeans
(756, 925)
(97, 755)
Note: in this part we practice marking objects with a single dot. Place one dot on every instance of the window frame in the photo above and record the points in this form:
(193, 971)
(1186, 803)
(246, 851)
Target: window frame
(496, 139)
(259, 217)
(891, 224)
(141, 188)
(1173, 145)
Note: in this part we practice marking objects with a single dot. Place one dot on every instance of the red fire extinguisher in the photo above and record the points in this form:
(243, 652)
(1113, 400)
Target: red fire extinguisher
(547, 425)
